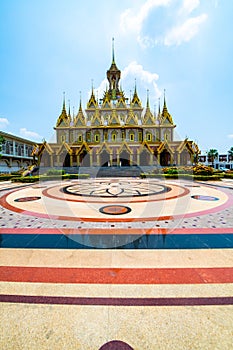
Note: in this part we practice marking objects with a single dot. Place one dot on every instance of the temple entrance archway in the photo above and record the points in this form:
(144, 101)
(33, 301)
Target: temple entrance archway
(165, 158)
(84, 158)
(124, 158)
(144, 158)
(104, 159)
(184, 157)
(66, 162)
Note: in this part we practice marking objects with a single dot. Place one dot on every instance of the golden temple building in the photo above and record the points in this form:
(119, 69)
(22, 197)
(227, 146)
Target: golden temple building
(115, 131)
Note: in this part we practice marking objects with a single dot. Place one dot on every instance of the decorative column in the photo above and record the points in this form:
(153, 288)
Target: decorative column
(178, 158)
(131, 159)
(118, 159)
(98, 159)
(172, 158)
(71, 159)
(151, 159)
(51, 160)
(91, 159)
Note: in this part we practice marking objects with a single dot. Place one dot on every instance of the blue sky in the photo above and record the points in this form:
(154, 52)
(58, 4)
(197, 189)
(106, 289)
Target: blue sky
(183, 46)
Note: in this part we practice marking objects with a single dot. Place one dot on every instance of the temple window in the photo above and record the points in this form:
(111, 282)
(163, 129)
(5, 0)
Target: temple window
(63, 138)
(131, 137)
(97, 138)
(80, 138)
(149, 137)
(88, 136)
(114, 137)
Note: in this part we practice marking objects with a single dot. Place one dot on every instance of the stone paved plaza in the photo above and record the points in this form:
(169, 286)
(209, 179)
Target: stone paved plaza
(120, 263)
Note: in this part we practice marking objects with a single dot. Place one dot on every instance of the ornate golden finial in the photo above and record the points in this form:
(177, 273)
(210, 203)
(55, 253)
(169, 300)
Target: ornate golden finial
(69, 108)
(147, 101)
(80, 100)
(64, 100)
(159, 112)
(113, 54)
(164, 93)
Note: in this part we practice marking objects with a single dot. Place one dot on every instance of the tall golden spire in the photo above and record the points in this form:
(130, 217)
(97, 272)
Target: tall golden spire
(136, 103)
(64, 102)
(147, 100)
(92, 103)
(113, 54)
(166, 116)
(113, 76)
(63, 117)
(80, 100)
(148, 118)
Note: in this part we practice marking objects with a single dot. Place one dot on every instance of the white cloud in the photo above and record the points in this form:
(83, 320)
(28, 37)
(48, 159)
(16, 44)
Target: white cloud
(29, 134)
(188, 6)
(136, 70)
(3, 123)
(184, 32)
(230, 136)
(182, 28)
(133, 20)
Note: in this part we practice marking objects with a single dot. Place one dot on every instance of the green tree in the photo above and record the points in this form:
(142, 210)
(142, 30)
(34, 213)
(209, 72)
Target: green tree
(230, 153)
(212, 155)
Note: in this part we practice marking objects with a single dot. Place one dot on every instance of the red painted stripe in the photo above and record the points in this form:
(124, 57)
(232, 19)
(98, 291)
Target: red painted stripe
(116, 231)
(116, 275)
(31, 299)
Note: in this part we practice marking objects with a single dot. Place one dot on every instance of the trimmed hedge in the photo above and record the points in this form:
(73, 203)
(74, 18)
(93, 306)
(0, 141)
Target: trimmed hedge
(29, 179)
(228, 175)
(182, 176)
(7, 177)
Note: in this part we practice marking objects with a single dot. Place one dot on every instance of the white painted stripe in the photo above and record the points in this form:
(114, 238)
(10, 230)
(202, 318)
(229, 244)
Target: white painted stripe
(114, 291)
(188, 258)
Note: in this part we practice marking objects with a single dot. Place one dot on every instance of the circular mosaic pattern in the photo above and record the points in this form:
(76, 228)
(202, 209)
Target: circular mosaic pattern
(115, 189)
(27, 199)
(115, 210)
(204, 198)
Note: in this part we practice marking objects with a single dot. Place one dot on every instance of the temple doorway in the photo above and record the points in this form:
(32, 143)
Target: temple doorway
(124, 159)
(84, 158)
(144, 158)
(104, 159)
(165, 158)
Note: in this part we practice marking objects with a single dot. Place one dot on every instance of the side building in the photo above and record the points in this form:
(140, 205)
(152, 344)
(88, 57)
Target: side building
(115, 131)
(16, 153)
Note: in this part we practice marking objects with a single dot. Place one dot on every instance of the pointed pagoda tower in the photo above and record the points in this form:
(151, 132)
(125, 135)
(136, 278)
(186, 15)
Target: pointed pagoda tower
(113, 76)
(63, 123)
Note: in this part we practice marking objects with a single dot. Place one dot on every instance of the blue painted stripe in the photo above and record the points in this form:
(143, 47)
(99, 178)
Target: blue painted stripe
(86, 241)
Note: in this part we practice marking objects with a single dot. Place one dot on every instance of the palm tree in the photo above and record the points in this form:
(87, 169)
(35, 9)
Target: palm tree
(230, 153)
(212, 155)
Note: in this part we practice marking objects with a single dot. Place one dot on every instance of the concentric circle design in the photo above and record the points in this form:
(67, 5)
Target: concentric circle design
(205, 198)
(26, 199)
(115, 210)
(115, 189)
